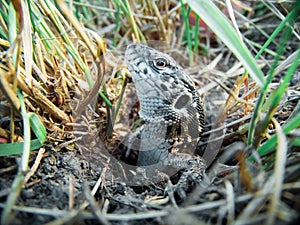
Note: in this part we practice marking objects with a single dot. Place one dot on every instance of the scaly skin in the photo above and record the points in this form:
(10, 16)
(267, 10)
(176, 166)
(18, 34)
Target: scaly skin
(169, 104)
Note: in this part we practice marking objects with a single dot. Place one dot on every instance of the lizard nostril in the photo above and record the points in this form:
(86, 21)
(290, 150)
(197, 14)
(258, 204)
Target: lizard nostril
(145, 70)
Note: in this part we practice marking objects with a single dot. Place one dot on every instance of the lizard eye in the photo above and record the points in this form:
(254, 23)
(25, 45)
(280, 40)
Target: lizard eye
(160, 63)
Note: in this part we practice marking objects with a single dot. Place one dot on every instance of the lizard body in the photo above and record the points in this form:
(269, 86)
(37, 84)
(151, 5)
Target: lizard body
(170, 105)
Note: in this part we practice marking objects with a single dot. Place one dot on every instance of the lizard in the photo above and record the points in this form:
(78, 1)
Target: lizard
(170, 106)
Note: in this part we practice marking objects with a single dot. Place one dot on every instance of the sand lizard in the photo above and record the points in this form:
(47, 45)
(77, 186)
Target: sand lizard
(169, 104)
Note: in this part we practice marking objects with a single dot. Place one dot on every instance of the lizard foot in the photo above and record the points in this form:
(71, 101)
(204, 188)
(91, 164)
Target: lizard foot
(191, 176)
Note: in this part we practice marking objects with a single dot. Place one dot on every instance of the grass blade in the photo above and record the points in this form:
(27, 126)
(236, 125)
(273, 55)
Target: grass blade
(276, 96)
(187, 31)
(220, 25)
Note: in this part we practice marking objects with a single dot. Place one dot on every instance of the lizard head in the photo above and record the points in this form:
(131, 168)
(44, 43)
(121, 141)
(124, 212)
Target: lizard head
(156, 74)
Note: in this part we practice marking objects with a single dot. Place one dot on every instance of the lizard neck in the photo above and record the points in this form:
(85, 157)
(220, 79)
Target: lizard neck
(153, 109)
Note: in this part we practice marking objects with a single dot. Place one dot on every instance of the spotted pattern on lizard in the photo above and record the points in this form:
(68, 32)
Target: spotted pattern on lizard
(169, 105)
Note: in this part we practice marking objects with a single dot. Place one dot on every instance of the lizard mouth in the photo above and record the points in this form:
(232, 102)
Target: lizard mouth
(133, 53)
